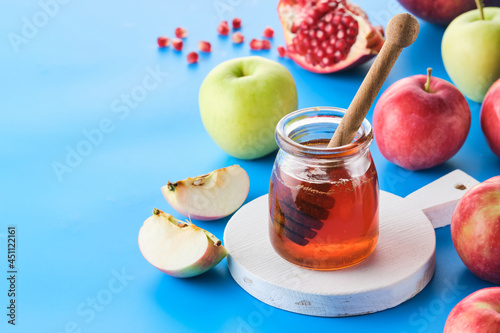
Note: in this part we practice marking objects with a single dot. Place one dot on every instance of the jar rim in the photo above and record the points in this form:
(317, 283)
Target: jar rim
(362, 141)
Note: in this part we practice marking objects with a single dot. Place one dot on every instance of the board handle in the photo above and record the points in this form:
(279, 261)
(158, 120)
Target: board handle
(438, 199)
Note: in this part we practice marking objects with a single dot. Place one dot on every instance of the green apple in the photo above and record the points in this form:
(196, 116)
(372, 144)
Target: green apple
(241, 102)
(471, 51)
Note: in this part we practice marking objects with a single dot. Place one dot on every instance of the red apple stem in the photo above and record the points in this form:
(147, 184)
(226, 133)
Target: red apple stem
(480, 6)
(427, 86)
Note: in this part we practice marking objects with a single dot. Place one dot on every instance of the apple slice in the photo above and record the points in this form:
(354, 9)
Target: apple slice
(211, 196)
(178, 248)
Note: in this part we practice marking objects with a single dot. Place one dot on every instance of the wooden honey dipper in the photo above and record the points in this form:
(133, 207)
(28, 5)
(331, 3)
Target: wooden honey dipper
(299, 223)
(401, 32)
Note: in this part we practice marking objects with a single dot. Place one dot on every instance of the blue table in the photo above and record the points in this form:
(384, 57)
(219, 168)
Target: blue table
(78, 265)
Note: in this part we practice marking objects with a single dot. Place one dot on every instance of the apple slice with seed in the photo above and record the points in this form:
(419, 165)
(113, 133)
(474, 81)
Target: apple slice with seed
(177, 248)
(211, 196)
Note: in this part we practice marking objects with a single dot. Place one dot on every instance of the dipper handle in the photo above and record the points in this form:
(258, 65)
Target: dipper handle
(401, 31)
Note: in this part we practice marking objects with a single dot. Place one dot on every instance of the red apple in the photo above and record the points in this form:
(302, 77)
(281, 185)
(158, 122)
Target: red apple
(490, 117)
(442, 11)
(477, 313)
(420, 122)
(475, 230)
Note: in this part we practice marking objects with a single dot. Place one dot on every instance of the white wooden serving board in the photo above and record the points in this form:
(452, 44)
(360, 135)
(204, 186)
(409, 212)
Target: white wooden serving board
(400, 267)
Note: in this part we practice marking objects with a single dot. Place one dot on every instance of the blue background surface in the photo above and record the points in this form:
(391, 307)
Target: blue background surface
(77, 232)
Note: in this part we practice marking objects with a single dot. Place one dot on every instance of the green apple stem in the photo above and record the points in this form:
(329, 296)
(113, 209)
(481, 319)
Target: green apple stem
(480, 6)
(427, 86)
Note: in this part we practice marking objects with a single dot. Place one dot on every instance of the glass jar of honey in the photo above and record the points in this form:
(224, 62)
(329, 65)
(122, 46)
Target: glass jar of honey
(323, 202)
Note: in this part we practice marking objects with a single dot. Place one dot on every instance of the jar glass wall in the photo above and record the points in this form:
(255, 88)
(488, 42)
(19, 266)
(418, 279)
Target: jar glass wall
(323, 202)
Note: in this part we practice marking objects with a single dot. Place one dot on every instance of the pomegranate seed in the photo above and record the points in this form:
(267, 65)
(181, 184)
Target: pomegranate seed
(304, 25)
(302, 34)
(323, 6)
(192, 57)
(255, 45)
(236, 23)
(324, 44)
(268, 32)
(312, 33)
(351, 32)
(181, 33)
(163, 41)
(314, 43)
(337, 19)
(266, 45)
(294, 28)
(346, 20)
(281, 51)
(204, 46)
(350, 40)
(333, 40)
(310, 21)
(237, 38)
(341, 44)
(338, 56)
(330, 50)
(177, 44)
(354, 25)
(223, 28)
(306, 43)
(328, 18)
(321, 25)
(326, 61)
(341, 10)
(320, 34)
(320, 53)
(341, 34)
(330, 29)
(314, 13)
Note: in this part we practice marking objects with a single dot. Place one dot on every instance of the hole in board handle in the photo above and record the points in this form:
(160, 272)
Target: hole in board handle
(460, 187)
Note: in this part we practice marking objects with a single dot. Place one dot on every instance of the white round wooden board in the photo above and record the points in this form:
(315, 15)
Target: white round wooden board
(400, 267)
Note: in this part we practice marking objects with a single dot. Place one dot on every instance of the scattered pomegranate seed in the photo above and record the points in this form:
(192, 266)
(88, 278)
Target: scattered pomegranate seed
(236, 23)
(237, 38)
(256, 44)
(204, 46)
(163, 41)
(192, 57)
(181, 33)
(281, 51)
(268, 32)
(223, 28)
(266, 45)
(177, 44)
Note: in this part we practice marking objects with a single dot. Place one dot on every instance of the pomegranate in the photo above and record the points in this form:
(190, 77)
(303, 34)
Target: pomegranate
(255, 45)
(204, 46)
(223, 28)
(236, 23)
(163, 41)
(266, 45)
(268, 32)
(192, 57)
(238, 38)
(327, 36)
(177, 44)
(281, 51)
(181, 32)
